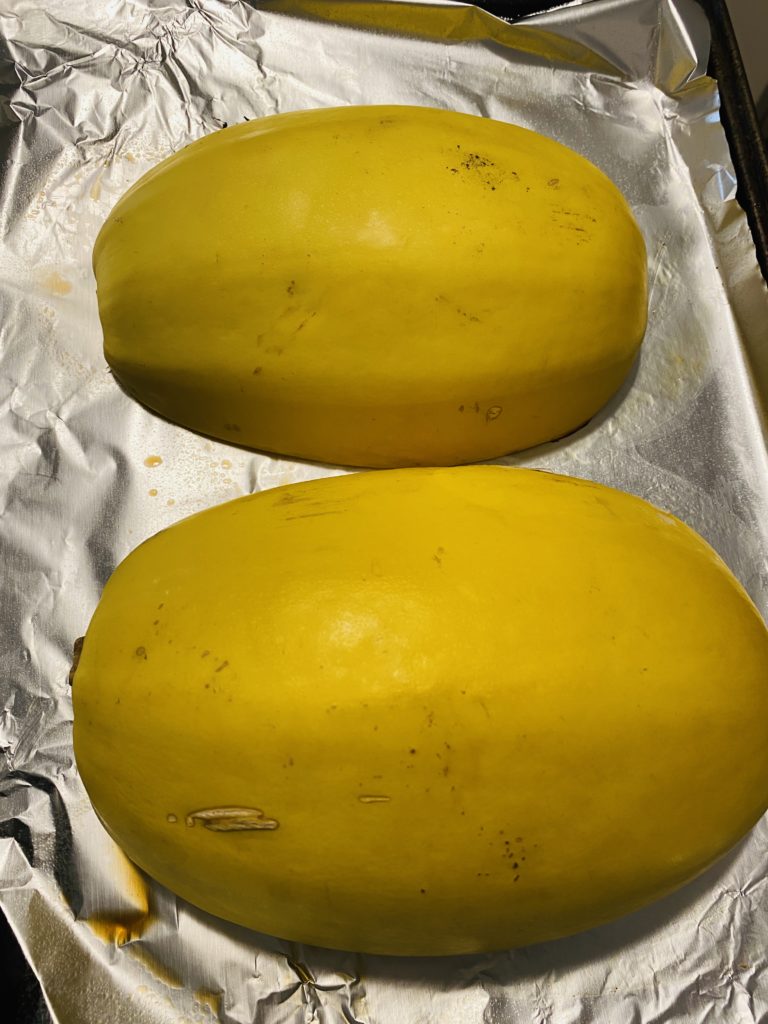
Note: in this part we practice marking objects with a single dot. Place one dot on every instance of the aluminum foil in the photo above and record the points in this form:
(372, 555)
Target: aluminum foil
(95, 94)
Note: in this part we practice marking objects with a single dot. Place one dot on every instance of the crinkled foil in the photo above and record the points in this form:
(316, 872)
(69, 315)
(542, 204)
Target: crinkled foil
(95, 94)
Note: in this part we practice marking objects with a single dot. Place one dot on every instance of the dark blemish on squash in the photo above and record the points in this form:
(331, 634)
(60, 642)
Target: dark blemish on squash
(160, 606)
(287, 498)
(117, 701)
(412, 750)
(477, 407)
(493, 413)
(475, 160)
(207, 686)
(423, 891)
(438, 558)
(223, 665)
(445, 770)
(576, 213)
(554, 182)
(291, 287)
(141, 652)
(461, 408)
(312, 515)
(257, 369)
(304, 322)
(205, 654)
(468, 316)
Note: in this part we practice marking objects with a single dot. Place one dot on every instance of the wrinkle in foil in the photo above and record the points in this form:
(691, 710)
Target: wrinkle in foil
(90, 98)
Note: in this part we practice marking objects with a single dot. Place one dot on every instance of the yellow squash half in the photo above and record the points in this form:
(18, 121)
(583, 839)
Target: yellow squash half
(373, 286)
(425, 711)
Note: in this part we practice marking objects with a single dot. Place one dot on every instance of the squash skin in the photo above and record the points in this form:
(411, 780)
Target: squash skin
(484, 706)
(373, 286)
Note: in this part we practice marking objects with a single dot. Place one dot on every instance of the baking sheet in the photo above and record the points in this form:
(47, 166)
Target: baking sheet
(91, 97)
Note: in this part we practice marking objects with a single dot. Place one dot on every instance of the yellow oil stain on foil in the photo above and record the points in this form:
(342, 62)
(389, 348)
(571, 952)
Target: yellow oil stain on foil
(55, 283)
(118, 933)
(211, 1000)
(153, 460)
(153, 965)
(122, 926)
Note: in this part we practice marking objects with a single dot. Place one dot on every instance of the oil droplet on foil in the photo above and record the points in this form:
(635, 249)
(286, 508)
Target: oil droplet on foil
(153, 460)
(152, 492)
